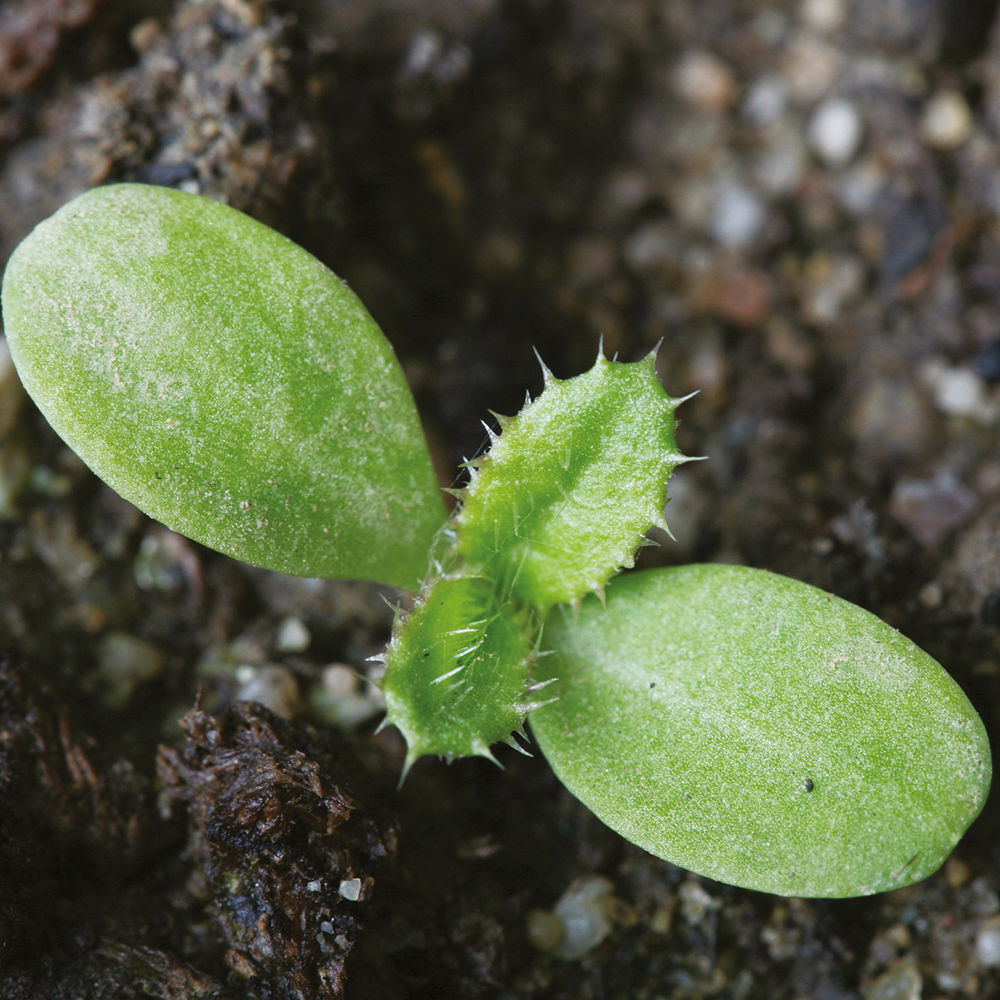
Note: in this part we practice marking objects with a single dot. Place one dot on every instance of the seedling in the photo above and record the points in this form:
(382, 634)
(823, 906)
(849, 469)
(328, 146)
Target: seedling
(744, 725)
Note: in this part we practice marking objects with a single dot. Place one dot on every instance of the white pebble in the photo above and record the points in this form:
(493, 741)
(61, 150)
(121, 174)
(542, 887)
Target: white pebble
(835, 132)
(823, 15)
(738, 216)
(583, 912)
(959, 392)
(292, 636)
(271, 685)
(947, 120)
(350, 889)
(988, 942)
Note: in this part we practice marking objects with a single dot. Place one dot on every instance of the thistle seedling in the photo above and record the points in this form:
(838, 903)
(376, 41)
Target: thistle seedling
(744, 725)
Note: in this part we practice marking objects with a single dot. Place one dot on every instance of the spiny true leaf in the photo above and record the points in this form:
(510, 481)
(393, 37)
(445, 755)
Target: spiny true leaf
(566, 493)
(226, 382)
(457, 670)
(762, 732)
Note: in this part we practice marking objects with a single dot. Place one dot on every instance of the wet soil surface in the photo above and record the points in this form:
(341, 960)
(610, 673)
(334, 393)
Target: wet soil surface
(799, 198)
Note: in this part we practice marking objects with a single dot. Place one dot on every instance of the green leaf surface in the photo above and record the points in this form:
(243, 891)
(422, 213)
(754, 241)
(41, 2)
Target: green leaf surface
(570, 487)
(759, 731)
(457, 670)
(226, 382)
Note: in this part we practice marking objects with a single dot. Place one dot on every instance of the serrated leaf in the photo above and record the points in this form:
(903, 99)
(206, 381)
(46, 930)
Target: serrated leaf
(457, 670)
(568, 490)
(225, 381)
(761, 732)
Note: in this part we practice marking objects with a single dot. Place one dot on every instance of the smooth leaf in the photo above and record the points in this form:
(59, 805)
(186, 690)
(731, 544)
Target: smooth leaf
(225, 381)
(759, 731)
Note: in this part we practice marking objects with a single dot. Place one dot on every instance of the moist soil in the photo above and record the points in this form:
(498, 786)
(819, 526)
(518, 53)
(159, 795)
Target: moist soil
(797, 199)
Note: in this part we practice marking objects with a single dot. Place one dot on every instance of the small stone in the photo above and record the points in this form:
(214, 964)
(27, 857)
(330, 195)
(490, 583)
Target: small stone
(125, 663)
(651, 247)
(766, 100)
(705, 82)
(738, 217)
(956, 872)
(350, 889)
(931, 596)
(823, 16)
(696, 903)
(292, 636)
(811, 67)
(271, 685)
(628, 189)
(988, 943)
(789, 346)
(830, 284)
(583, 913)
(889, 419)
(859, 187)
(741, 296)
(959, 392)
(778, 169)
(835, 132)
(345, 698)
(930, 509)
(902, 982)
(946, 121)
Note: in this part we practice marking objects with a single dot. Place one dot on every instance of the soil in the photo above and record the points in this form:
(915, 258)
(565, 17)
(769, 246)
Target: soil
(799, 198)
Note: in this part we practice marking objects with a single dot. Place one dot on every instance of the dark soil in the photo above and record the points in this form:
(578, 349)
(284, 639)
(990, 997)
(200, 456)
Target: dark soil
(801, 198)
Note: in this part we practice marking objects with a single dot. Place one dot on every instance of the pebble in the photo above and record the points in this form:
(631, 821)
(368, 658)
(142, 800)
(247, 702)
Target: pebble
(705, 82)
(738, 216)
(902, 982)
(292, 636)
(930, 509)
(859, 187)
(651, 247)
(835, 132)
(344, 698)
(958, 391)
(696, 903)
(787, 345)
(811, 67)
(889, 419)
(741, 296)
(947, 120)
(350, 889)
(579, 921)
(271, 685)
(830, 283)
(988, 943)
(766, 100)
(823, 16)
(125, 662)
(779, 167)
(956, 872)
